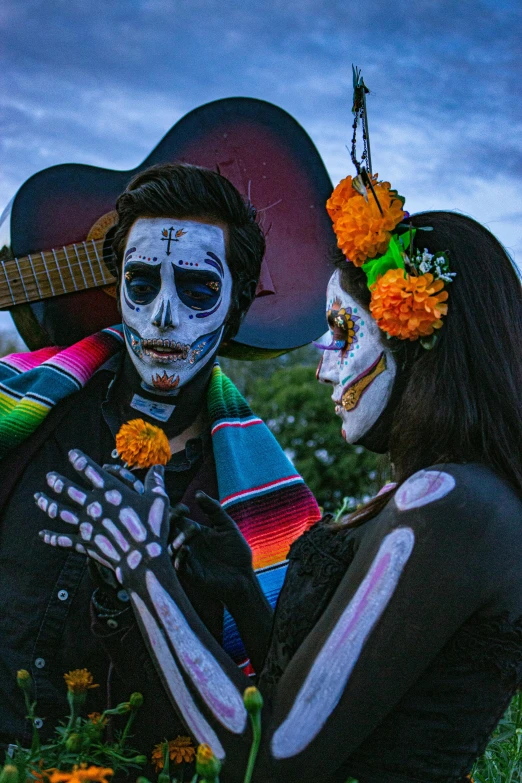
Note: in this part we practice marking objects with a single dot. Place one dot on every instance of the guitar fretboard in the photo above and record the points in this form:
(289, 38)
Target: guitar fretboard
(54, 272)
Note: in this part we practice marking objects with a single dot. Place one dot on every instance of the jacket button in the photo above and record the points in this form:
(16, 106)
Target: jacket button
(38, 723)
(63, 595)
(39, 663)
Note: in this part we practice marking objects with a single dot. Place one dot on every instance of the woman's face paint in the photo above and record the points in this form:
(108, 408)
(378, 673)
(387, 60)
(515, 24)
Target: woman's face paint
(175, 294)
(356, 361)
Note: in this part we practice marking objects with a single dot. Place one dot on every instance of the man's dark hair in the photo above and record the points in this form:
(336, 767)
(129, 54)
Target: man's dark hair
(180, 191)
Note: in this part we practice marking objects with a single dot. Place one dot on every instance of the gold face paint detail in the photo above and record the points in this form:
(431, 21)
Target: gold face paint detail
(351, 397)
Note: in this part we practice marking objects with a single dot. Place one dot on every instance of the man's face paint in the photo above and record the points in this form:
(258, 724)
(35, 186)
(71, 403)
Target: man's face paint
(356, 361)
(175, 294)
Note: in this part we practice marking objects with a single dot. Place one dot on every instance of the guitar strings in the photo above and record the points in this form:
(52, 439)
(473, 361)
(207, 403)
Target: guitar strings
(55, 269)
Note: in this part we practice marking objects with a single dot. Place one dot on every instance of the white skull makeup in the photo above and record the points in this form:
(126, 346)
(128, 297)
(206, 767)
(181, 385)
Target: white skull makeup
(356, 361)
(175, 294)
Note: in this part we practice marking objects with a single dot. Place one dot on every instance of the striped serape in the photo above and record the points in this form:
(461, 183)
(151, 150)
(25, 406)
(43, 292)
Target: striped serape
(258, 486)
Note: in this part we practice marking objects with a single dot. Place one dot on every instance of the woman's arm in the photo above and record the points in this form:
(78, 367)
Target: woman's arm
(422, 568)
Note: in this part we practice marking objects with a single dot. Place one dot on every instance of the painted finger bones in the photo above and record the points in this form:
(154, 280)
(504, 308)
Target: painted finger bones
(119, 521)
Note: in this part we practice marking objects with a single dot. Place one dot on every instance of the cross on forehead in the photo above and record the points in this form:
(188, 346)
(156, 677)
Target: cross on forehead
(168, 238)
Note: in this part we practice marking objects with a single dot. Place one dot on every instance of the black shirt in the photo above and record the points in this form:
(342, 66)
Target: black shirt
(440, 667)
(46, 591)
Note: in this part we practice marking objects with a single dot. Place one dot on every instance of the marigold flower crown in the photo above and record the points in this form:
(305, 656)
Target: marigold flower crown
(408, 296)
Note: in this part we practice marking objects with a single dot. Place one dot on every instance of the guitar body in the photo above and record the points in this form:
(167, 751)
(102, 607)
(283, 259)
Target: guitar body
(265, 153)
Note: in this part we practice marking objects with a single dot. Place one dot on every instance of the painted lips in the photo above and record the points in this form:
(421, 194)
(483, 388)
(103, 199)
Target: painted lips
(353, 392)
(165, 350)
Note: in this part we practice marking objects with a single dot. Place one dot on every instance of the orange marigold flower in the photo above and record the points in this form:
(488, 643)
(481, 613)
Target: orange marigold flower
(97, 719)
(406, 306)
(180, 749)
(142, 445)
(79, 681)
(81, 774)
(362, 231)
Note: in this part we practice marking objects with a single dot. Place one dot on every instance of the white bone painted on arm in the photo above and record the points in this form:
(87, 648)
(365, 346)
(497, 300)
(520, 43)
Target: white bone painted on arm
(216, 689)
(327, 678)
(195, 721)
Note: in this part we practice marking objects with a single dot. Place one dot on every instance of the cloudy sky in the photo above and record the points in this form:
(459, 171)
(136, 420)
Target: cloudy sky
(101, 82)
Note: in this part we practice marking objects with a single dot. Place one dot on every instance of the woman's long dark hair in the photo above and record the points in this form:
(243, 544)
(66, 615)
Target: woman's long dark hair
(463, 399)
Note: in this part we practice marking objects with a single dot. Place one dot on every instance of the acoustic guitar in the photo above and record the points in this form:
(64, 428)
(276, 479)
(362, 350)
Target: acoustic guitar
(56, 268)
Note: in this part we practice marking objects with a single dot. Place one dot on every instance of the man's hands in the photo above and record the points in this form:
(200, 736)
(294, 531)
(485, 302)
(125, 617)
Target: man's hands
(119, 522)
(215, 559)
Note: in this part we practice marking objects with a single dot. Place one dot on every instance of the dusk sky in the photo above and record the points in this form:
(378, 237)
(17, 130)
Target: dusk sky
(100, 82)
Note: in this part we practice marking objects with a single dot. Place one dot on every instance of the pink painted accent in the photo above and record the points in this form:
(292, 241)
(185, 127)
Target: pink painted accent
(94, 510)
(118, 536)
(156, 516)
(42, 503)
(425, 486)
(159, 491)
(113, 497)
(119, 576)
(217, 690)
(242, 424)
(154, 549)
(78, 460)
(106, 547)
(386, 487)
(69, 517)
(94, 477)
(101, 560)
(52, 511)
(80, 548)
(134, 559)
(77, 496)
(324, 684)
(180, 694)
(86, 531)
(64, 541)
(133, 524)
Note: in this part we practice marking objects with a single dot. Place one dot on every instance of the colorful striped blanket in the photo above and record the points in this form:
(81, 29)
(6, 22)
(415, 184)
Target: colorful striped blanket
(258, 486)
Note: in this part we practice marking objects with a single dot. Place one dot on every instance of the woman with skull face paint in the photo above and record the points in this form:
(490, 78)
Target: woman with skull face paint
(397, 642)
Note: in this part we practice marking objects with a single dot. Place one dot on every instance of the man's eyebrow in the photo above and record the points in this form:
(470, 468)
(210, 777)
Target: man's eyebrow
(196, 274)
(133, 264)
(215, 261)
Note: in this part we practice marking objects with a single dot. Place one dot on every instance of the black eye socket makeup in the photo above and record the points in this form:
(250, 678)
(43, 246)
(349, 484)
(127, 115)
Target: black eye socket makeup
(197, 289)
(142, 282)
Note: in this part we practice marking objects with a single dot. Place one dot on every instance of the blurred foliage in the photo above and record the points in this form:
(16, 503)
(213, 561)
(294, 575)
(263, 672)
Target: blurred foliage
(300, 413)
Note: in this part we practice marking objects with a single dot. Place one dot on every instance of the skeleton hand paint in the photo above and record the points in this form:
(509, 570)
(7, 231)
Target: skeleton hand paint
(357, 361)
(120, 522)
(175, 294)
(215, 558)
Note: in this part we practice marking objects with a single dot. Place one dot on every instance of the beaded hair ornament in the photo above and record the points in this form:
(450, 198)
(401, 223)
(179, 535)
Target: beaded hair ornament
(408, 296)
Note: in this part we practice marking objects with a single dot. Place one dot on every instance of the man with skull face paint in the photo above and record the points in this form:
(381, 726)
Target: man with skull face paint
(190, 252)
(396, 645)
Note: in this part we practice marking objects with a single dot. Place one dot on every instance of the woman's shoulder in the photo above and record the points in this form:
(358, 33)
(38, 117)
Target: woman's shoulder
(469, 499)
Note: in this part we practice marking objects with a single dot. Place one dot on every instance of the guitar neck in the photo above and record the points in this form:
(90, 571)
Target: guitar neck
(55, 272)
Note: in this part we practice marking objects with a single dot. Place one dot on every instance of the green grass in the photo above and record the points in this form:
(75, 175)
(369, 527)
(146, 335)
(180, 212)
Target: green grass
(502, 761)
